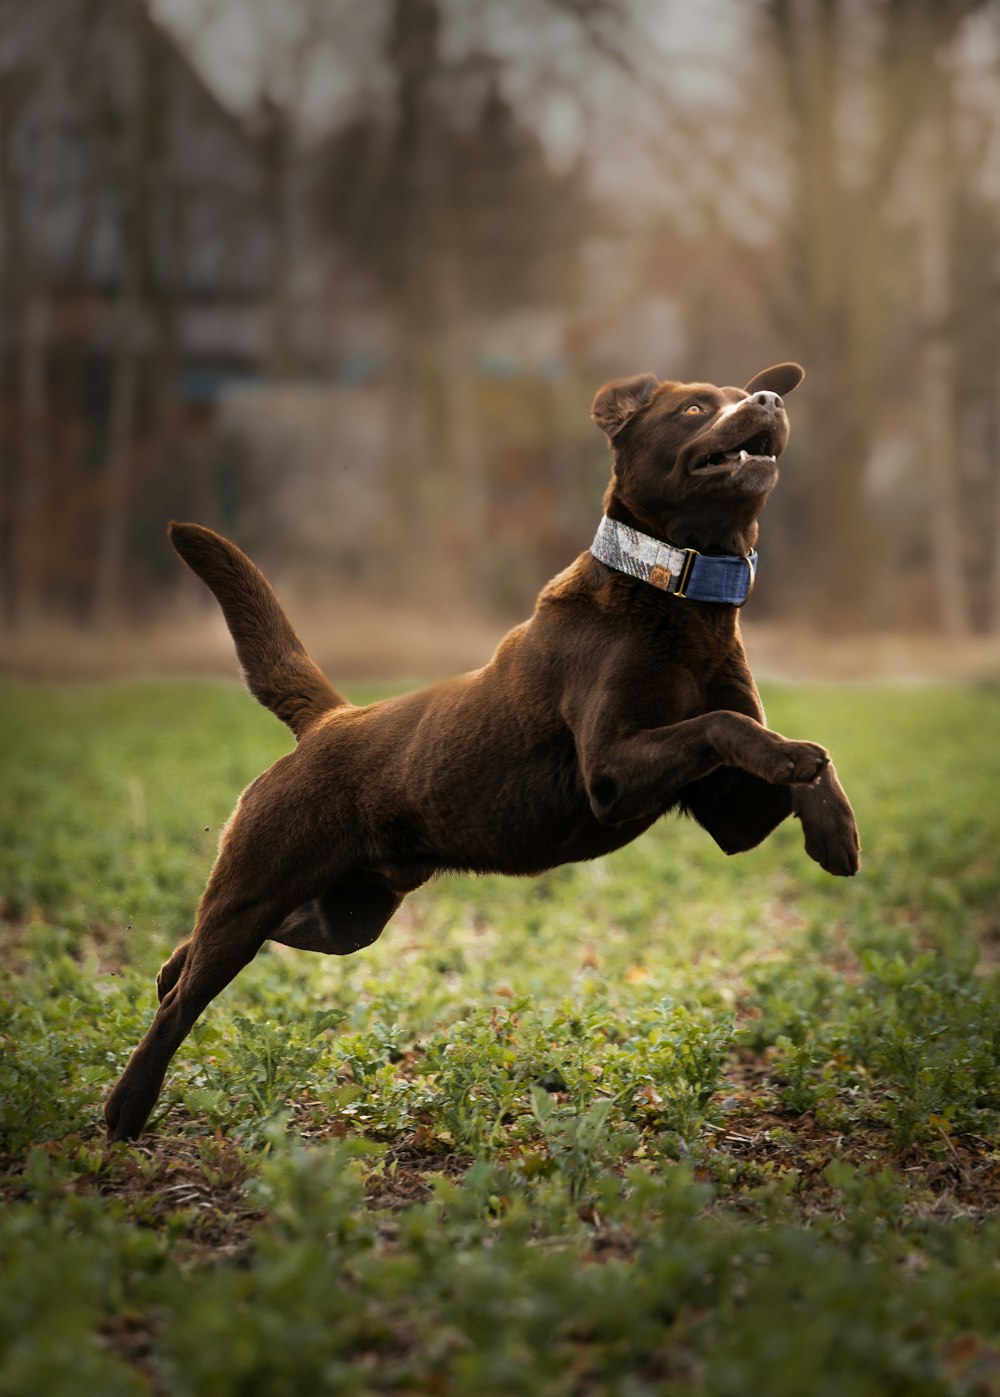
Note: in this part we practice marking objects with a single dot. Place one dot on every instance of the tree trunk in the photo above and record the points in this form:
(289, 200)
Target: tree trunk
(31, 499)
(14, 280)
(464, 462)
(833, 299)
(121, 431)
(939, 434)
(993, 612)
(125, 375)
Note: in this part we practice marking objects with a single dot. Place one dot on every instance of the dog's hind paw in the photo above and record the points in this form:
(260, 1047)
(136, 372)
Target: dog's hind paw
(113, 1117)
(124, 1115)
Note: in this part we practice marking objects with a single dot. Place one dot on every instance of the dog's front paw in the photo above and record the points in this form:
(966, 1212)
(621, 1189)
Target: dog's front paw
(831, 832)
(796, 763)
(836, 849)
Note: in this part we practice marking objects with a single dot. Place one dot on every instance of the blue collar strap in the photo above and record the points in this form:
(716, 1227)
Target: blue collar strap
(683, 572)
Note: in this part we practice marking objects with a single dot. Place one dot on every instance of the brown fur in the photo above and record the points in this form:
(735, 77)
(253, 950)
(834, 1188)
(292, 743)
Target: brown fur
(615, 703)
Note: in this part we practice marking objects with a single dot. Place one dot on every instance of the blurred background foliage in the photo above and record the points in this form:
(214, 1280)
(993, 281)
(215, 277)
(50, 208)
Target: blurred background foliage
(341, 279)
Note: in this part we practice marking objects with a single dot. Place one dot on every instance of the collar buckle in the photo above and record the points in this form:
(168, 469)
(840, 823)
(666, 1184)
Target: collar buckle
(751, 562)
(685, 573)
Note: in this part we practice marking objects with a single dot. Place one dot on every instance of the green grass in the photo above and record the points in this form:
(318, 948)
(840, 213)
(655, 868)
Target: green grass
(664, 1122)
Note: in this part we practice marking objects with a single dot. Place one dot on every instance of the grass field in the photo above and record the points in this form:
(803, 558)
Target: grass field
(668, 1122)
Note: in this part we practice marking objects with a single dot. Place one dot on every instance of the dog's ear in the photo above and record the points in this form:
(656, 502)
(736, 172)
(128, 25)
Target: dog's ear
(779, 378)
(620, 399)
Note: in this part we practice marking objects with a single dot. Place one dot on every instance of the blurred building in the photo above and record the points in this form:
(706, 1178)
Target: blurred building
(125, 177)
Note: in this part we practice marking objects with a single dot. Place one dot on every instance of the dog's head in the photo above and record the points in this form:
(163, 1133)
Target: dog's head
(694, 464)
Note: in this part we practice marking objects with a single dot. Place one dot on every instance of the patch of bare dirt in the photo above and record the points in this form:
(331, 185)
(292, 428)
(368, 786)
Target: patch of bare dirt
(404, 1175)
(781, 651)
(197, 1184)
(355, 637)
(961, 1175)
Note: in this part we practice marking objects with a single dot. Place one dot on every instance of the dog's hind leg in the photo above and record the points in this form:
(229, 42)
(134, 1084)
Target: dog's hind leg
(350, 915)
(228, 935)
(266, 867)
(346, 917)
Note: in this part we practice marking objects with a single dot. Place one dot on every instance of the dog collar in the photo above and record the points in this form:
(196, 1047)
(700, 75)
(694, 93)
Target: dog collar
(684, 572)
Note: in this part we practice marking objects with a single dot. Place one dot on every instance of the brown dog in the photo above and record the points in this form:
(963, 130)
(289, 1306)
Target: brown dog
(626, 695)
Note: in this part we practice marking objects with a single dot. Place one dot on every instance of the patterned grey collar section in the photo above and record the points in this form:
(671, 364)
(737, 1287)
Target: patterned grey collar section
(683, 572)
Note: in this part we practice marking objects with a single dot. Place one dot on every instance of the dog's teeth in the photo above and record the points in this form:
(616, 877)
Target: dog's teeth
(744, 455)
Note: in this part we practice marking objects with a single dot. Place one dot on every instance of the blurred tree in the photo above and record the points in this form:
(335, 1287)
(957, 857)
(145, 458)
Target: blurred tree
(838, 293)
(844, 213)
(136, 150)
(940, 426)
(23, 314)
(130, 203)
(454, 214)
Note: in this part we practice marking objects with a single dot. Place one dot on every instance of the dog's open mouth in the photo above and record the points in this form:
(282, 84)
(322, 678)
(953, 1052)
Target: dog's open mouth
(761, 446)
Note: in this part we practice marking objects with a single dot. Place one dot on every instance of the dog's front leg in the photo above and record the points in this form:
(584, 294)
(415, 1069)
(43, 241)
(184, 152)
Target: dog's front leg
(632, 774)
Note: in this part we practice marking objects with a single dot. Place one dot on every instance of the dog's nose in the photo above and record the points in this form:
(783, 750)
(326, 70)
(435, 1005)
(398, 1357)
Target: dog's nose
(767, 399)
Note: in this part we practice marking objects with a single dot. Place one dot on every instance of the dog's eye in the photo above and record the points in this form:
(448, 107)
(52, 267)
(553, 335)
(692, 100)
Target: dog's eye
(693, 408)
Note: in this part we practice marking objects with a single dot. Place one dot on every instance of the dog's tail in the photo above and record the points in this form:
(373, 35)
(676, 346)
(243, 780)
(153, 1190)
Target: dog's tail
(278, 671)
